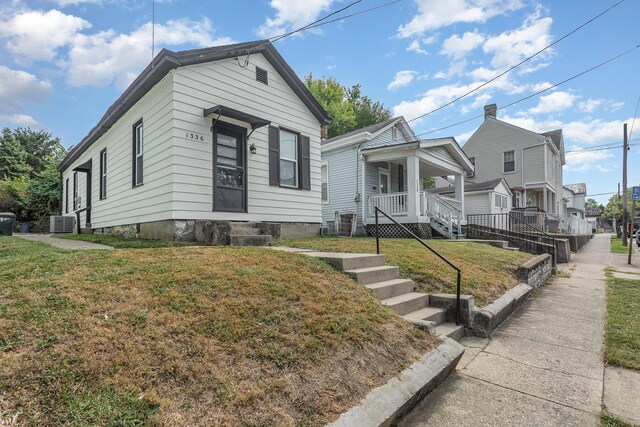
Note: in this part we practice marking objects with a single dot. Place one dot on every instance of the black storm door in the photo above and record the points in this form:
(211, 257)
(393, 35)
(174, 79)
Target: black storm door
(229, 174)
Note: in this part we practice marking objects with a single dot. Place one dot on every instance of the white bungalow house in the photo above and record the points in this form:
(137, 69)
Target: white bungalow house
(205, 144)
(383, 166)
(487, 197)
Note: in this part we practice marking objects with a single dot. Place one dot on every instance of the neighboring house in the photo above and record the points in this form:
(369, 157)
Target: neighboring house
(383, 166)
(575, 194)
(213, 135)
(487, 197)
(530, 162)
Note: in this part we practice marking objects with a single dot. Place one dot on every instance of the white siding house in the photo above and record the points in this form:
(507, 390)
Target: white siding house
(531, 163)
(488, 197)
(383, 166)
(201, 137)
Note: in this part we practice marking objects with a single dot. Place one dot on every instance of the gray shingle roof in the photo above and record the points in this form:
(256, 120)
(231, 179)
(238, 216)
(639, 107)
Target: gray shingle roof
(168, 60)
(556, 137)
(579, 188)
(371, 129)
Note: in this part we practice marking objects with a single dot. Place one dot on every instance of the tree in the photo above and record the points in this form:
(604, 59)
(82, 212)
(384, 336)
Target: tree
(591, 204)
(39, 146)
(349, 109)
(613, 209)
(13, 157)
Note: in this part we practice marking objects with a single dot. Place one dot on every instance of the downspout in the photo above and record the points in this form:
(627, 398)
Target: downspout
(524, 193)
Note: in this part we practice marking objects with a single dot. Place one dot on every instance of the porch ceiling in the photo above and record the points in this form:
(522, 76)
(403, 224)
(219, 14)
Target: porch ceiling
(429, 164)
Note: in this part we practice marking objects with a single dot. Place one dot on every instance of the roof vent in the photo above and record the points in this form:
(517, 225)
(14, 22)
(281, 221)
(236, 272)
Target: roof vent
(262, 76)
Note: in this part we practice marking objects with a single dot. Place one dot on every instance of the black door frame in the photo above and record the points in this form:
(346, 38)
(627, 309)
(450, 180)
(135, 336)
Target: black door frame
(243, 148)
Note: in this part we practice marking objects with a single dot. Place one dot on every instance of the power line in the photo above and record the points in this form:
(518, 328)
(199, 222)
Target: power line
(517, 65)
(634, 117)
(538, 92)
(586, 150)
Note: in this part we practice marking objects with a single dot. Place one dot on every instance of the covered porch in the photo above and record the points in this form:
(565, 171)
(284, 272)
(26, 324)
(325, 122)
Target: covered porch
(393, 181)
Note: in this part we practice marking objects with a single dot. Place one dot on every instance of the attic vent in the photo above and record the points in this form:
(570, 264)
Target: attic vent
(262, 76)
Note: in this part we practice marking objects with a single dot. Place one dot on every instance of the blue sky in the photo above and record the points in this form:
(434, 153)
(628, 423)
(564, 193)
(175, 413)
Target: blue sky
(63, 62)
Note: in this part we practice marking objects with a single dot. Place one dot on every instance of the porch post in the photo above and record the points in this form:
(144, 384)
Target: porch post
(459, 195)
(544, 199)
(413, 186)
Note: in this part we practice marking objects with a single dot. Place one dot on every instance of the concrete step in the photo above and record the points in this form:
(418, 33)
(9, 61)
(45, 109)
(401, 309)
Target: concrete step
(391, 288)
(245, 231)
(250, 240)
(406, 303)
(431, 314)
(349, 262)
(366, 276)
(450, 330)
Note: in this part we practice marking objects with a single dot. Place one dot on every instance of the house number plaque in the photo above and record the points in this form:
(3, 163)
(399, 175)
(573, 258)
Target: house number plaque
(194, 136)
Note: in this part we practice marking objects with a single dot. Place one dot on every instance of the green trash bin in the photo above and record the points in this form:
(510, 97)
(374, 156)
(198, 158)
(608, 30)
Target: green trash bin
(7, 222)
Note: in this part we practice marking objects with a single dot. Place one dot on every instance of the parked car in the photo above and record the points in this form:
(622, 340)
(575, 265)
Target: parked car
(638, 238)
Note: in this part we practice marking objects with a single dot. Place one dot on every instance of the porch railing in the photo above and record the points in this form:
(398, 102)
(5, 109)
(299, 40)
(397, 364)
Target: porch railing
(393, 203)
(436, 207)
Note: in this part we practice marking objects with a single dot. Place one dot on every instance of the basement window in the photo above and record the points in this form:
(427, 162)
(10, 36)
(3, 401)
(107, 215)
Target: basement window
(262, 76)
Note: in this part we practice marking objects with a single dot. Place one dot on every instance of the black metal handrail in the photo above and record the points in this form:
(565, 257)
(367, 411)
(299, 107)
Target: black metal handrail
(438, 254)
(78, 212)
(519, 232)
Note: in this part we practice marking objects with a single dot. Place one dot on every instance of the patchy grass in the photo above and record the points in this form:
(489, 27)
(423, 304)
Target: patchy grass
(122, 243)
(622, 332)
(487, 272)
(608, 420)
(198, 336)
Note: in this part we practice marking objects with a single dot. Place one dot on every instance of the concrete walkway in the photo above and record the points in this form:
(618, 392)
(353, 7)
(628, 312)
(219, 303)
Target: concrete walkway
(63, 243)
(542, 366)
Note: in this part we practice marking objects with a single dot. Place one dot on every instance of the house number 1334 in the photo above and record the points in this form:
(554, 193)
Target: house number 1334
(195, 136)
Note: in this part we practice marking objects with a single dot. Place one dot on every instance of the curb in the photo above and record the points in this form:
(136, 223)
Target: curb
(386, 404)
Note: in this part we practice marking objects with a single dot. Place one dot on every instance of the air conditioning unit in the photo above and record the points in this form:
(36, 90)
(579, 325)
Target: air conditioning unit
(62, 224)
(471, 174)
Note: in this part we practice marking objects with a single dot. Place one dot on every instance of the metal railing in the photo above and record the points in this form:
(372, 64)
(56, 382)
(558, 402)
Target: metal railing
(394, 203)
(510, 227)
(555, 223)
(78, 212)
(438, 254)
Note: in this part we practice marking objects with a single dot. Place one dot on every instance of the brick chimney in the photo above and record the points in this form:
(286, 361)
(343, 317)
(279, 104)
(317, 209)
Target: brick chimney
(324, 132)
(491, 110)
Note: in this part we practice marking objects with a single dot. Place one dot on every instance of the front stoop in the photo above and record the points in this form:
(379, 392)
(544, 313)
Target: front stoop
(247, 234)
(398, 294)
(387, 404)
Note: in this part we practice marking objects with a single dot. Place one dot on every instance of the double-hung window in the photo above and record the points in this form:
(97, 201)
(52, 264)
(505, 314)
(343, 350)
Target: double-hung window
(138, 151)
(324, 177)
(103, 174)
(288, 158)
(508, 161)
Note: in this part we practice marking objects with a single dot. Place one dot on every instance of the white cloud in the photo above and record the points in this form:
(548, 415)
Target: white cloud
(590, 105)
(292, 14)
(616, 105)
(582, 161)
(554, 102)
(511, 47)
(479, 101)
(22, 120)
(458, 47)
(537, 87)
(403, 78)
(104, 57)
(430, 100)
(416, 45)
(17, 88)
(37, 35)
(434, 14)
(64, 3)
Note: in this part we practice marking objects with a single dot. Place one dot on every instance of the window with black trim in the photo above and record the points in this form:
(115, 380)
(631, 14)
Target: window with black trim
(509, 161)
(66, 196)
(288, 158)
(103, 174)
(138, 153)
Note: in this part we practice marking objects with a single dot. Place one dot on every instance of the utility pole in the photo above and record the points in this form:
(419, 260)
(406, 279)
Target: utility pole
(633, 204)
(625, 217)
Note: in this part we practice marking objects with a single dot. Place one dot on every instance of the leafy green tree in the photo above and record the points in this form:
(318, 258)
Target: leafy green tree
(591, 204)
(613, 208)
(348, 107)
(44, 192)
(13, 157)
(39, 146)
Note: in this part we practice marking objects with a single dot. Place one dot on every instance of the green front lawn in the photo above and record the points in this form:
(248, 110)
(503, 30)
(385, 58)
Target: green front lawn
(122, 243)
(188, 336)
(487, 272)
(616, 245)
(622, 332)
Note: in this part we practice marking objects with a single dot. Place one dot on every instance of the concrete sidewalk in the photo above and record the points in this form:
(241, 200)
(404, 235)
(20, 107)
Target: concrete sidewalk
(63, 243)
(543, 366)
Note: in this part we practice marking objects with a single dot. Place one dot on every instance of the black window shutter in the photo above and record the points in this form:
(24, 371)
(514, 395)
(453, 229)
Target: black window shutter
(66, 199)
(400, 178)
(274, 156)
(305, 162)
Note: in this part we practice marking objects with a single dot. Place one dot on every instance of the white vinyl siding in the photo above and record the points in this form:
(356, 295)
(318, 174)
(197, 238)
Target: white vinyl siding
(344, 181)
(202, 86)
(126, 205)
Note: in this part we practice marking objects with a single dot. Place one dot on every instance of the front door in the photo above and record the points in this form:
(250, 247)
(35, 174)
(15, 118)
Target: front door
(383, 181)
(229, 169)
